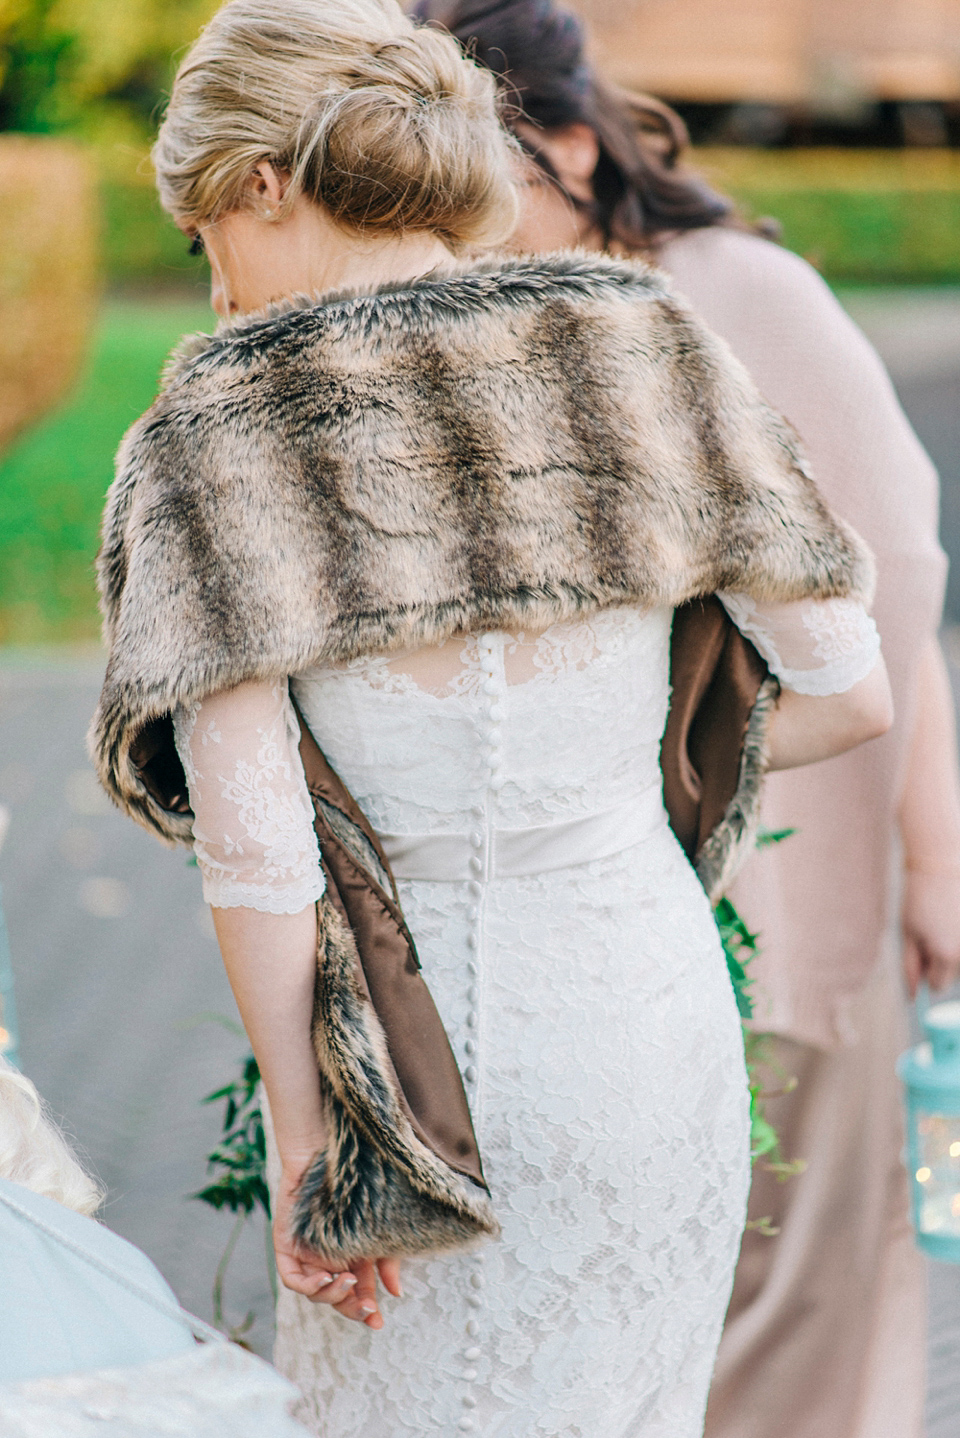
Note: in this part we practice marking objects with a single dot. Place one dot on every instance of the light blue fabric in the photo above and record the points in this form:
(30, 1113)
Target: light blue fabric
(60, 1313)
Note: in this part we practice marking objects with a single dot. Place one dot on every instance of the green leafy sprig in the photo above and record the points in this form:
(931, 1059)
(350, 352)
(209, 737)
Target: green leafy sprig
(740, 948)
(241, 1154)
(239, 1163)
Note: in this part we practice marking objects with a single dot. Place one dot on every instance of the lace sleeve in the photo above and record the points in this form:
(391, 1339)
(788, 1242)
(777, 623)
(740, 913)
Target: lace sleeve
(813, 646)
(253, 830)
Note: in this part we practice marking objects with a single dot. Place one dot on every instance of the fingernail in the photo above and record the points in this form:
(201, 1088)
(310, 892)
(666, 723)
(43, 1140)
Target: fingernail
(367, 1308)
(399, 1290)
(348, 1279)
(325, 1279)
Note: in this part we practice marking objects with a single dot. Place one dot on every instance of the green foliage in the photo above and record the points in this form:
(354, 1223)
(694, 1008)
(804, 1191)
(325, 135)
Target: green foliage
(239, 1162)
(139, 242)
(92, 67)
(35, 56)
(766, 837)
(879, 238)
(240, 1158)
(740, 948)
(53, 482)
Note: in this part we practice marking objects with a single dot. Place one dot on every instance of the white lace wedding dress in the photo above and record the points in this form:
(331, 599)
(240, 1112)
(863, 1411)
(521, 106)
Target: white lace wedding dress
(575, 962)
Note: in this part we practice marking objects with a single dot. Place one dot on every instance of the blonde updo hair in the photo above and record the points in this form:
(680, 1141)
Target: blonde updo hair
(384, 123)
(33, 1151)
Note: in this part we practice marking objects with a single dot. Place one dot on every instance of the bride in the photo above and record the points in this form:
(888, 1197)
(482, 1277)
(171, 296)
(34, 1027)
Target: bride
(448, 506)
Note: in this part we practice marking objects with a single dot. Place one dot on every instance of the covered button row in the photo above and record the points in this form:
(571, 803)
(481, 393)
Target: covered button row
(473, 1018)
(493, 754)
(473, 992)
(471, 1353)
(493, 758)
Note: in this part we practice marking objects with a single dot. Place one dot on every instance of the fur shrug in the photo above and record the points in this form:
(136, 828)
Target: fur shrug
(503, 446)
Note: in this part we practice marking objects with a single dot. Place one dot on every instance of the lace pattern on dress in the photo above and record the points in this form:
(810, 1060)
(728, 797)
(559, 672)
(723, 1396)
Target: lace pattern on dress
(253, 834)
(454, 669)
(591, 1015)
(813, 646)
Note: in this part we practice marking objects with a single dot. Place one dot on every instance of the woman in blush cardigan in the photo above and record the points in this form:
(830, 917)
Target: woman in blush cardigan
(825, 1335)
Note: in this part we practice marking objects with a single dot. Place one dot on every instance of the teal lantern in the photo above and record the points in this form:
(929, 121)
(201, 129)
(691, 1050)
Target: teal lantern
(931, 1073)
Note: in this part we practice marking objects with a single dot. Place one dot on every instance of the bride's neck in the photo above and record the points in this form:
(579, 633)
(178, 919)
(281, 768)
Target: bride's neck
(365, 264)
(255, 261)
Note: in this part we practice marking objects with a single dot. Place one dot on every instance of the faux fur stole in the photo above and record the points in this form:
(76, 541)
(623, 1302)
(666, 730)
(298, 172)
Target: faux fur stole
(508, 445)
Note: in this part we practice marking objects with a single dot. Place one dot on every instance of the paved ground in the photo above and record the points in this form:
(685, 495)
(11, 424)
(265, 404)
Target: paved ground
(118, 973)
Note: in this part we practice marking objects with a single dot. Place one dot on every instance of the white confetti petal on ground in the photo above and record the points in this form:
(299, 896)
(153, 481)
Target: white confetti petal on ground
(84, 794)
(104, 898)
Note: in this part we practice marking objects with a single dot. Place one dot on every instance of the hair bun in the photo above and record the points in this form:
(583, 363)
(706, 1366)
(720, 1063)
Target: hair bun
(385, 123)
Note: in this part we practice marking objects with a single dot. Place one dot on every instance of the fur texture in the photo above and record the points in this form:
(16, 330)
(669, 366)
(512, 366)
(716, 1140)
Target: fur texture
(506, 446)
(375, 1188)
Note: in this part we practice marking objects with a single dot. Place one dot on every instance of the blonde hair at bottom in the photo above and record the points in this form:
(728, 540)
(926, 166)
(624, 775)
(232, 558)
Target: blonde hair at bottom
(33, 1151)
(386, 124)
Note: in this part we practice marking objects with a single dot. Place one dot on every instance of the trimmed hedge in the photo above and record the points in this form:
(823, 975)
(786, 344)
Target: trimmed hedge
(48, 274)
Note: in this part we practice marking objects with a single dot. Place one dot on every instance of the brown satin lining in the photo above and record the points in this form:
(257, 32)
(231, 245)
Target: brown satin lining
(153, 753)
(428, 1078)
(715, 676)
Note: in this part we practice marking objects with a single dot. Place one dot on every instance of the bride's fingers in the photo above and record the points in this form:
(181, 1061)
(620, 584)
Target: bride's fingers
(338, 1291)
(352, 1293)
(294, 1272)
(308, 1281)
(361, 1304)
(306, 1273)
(389, 1270)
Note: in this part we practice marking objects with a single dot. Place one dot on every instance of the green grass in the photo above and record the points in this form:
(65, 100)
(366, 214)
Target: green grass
(139, 242)
(861, 216)
(52, 483)
(858, 238)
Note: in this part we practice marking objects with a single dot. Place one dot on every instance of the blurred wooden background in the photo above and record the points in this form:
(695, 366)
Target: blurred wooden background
(825, 53)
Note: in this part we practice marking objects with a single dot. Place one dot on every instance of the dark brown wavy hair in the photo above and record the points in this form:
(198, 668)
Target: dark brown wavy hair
(642, 191)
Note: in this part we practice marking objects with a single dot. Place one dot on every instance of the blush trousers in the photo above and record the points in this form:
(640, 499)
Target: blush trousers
(825, 1336)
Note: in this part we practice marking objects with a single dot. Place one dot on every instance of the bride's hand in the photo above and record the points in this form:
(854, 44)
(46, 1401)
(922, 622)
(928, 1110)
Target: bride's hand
(352, 1291)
